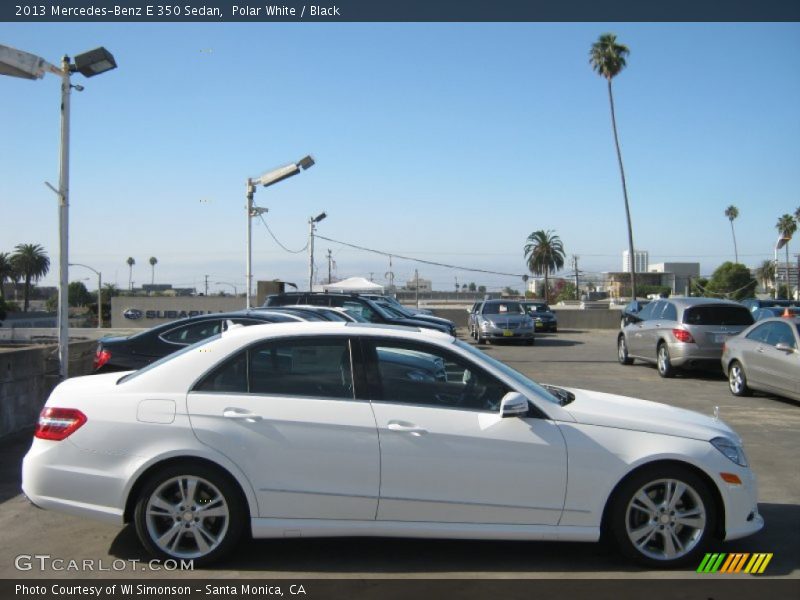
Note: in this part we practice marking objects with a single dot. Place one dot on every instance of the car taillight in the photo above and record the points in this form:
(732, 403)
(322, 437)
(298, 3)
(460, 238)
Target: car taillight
(58, 423)
(101, 357)
(683, 336)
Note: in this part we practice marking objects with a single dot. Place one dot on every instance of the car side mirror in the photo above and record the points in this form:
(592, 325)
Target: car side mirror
(514, 404)
(785, 348)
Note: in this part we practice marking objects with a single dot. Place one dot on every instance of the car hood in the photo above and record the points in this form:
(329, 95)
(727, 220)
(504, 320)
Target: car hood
(502, 318)
(622, 412)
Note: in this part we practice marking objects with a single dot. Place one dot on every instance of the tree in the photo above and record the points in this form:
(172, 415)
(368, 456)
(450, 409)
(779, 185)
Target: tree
(110, 290)
(545, 254)
(608, 58)
(31, 262)
(765, 274)
(731, 280)
(130, 262)
(567, 291)
(7, 271)
(78, 295)
(153, 261)
(481, 289)
(786, 226)
(472, 286)
(733, 213)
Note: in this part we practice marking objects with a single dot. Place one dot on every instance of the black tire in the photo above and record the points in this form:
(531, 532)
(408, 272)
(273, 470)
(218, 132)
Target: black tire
(737, 380)
(652, 533)
(203, 539)
(663, 361)
(622, 351)
(478, 337)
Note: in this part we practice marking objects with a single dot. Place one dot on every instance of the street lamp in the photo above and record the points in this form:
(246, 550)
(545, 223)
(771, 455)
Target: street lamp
(226, 283)
(312, 221)
(266, 180)
(99, 292)
(17, 63)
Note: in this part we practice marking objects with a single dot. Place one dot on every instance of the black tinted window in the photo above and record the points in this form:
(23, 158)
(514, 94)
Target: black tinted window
(309, 368)
(419, 374)
(189, 334)
(759, 334)
(230, 376)
(717, 315)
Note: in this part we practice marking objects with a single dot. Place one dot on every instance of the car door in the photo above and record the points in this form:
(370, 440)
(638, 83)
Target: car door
(447, 455)
(782, 365)
(636, 333)
(751, 349)
(285, 412)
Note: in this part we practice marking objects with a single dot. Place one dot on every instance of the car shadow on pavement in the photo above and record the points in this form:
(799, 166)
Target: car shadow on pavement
(14, 447)
(399, 555)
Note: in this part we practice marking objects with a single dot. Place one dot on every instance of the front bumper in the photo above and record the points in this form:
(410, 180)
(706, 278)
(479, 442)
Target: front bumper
(491, 333)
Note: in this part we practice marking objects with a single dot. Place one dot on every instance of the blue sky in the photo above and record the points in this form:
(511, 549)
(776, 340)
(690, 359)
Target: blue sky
(450, 142)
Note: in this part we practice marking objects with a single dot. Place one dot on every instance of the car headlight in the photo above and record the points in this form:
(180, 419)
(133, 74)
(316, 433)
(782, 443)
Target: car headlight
(485, 323)
(730, 449)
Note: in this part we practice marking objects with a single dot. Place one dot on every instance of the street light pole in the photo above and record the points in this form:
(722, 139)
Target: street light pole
(63, 222)
(99, 292)
(312, 222)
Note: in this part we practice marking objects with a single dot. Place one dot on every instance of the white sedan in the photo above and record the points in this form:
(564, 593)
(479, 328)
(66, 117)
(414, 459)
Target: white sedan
(347, 429)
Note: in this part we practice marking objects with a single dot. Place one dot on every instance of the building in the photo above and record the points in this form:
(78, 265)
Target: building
(641, 260)
(677, 276)
(418, 284)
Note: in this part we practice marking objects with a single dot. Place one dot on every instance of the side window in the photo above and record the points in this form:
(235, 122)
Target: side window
(426, 375)
(315, 300)
(230, 376)
(302, 367)
(647, 312)
(361, 309)
(780, 333)
(189, 334)
(670, 313)
(760, 333)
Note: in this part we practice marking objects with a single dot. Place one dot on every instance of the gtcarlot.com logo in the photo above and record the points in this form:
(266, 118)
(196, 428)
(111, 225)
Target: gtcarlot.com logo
(743, 562)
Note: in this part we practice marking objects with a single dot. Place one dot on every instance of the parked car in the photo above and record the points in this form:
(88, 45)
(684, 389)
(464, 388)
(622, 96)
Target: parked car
(679, 333)
(754, 304)
(126, 353)
(503, 320)
(630, 310)
(355, 303)
(310, 428)
(471, 318)
(395, 302)
(402, 312)
(544, 319)
(765, 357)
(759, 314)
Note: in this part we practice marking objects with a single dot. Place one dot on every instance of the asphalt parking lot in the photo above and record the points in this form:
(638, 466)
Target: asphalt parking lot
(583, 359)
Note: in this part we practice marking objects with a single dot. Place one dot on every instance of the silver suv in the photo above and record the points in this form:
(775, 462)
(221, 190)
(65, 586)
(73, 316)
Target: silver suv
(681, 333)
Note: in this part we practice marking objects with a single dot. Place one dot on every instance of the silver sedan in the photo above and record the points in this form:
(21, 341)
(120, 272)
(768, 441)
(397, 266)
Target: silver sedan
(765, 357)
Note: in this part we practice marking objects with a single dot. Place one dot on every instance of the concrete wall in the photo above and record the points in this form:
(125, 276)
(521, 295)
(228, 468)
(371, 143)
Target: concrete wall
(27, 376)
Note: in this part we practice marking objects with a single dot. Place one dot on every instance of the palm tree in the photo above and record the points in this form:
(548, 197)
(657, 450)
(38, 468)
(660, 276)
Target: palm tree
(130, 262)
(31, 262)
(110, 290)
(545, 254)
(7, 271)
(733, 213)
(766, 274)
(786, 226)
(153, 262)
(607, 57)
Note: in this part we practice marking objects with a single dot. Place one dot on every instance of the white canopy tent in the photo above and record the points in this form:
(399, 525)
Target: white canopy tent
(354, 285)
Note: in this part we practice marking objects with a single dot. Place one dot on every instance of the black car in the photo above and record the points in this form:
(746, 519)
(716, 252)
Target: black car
(543, 316)
(403, 313)
(370, 310)
(140, 349)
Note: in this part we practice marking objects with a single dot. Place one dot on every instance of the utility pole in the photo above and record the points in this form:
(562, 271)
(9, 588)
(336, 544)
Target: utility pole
(206, 292)
(310, 254)
(371, 275)
(330, 260)
(390, 274)
(575, 258)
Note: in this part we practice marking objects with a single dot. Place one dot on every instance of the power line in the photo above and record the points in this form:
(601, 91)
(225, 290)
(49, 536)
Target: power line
(303, 249)
(420, 260)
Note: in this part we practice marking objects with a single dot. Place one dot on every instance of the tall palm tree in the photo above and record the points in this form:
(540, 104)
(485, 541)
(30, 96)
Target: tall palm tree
(766, 274)
(786, 226)
(130, 262)
(153, 262)
(607, 57)
(32, 263)
(544, 253)
(7, 271)
(733, 213)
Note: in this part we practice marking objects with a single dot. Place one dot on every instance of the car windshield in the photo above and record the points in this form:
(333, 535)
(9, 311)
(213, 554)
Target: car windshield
(397, 308)
(503, 308)
(518, 377)
(717, 315)
(168, 358)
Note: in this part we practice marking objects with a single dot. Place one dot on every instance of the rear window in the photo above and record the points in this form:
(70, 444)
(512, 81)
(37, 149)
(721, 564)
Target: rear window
(717, 315)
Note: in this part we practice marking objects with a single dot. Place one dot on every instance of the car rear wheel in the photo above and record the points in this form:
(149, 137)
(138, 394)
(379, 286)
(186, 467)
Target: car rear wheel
(663, 361)
(622, 351)
(190, 512)
(737, 380)
(663, 516)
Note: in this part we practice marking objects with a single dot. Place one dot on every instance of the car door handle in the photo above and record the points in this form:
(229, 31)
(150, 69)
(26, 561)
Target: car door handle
(240, 413)
(406, 428)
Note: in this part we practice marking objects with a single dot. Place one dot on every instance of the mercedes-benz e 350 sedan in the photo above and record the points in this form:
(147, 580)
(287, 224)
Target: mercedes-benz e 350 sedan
(350, 429)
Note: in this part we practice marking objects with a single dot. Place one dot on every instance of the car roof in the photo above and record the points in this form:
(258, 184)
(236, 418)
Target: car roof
(687, 302)
(329, 328)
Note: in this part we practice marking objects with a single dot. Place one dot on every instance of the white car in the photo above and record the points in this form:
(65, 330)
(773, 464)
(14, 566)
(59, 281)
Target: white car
(349, 429)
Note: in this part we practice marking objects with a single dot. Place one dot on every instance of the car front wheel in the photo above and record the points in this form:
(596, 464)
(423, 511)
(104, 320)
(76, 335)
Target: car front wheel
(622, 351)
(190, 512)
(737, 380)
(663, 517)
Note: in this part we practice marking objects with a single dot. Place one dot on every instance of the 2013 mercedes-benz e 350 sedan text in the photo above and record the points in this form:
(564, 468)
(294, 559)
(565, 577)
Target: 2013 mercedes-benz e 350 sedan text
(351, 429)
